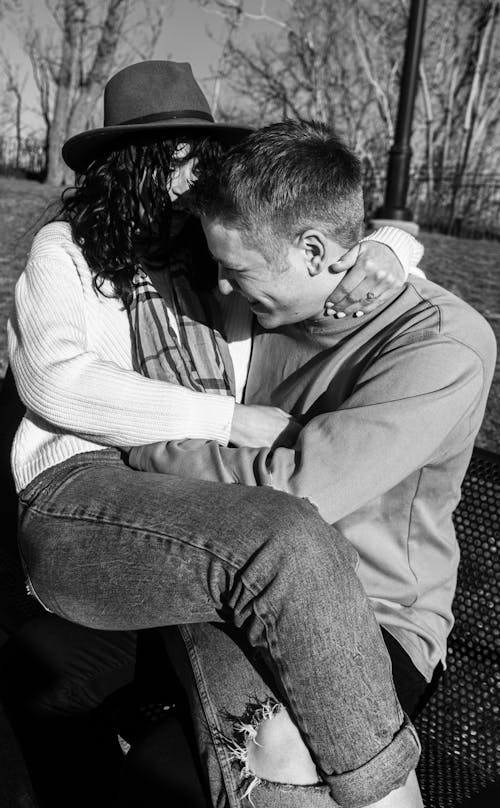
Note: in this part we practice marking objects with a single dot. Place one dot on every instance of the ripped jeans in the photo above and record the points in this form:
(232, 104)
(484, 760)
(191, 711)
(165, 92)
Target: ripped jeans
(112, 548)
(230, 694)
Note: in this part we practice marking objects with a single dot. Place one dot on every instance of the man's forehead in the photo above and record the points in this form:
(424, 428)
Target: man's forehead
(220, 232)
(227, 246)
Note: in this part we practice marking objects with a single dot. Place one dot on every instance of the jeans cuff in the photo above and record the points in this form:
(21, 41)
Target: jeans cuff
(389, 769)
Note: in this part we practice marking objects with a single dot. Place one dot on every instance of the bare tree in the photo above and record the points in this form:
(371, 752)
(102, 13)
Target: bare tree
(72, 61)
(44, 82)
(14, 84)
(9, 6)
(74, 23)
(459, 91)
(323, 60)
(341, 62)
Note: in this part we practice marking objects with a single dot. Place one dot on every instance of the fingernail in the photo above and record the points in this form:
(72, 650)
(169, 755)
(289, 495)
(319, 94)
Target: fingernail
(359, 313)
(340, 314)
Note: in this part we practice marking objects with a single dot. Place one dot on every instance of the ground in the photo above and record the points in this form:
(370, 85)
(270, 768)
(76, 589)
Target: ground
(469, 268)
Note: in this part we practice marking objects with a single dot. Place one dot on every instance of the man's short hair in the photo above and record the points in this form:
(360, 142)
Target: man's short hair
(282, 180)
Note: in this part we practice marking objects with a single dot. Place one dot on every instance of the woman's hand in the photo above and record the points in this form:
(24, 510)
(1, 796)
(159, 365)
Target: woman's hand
(373, 274)
(255, 425)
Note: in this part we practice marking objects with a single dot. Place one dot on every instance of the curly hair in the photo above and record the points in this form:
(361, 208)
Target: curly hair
(120, 210)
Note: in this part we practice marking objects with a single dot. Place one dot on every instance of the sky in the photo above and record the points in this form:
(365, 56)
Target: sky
(185, 38)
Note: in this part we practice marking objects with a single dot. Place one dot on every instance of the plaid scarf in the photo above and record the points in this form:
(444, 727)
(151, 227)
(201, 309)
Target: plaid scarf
(177, 329)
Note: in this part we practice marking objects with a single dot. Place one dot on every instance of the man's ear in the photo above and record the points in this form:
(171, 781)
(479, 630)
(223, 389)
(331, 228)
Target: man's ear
(313, 244)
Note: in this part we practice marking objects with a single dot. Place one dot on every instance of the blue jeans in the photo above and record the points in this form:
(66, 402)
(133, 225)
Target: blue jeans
(112, 548)
(226, 683)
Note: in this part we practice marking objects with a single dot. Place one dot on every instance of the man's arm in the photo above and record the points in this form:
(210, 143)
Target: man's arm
(395, 421)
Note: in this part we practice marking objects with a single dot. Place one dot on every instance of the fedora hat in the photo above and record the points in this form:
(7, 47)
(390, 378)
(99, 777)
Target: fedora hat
(150, 97)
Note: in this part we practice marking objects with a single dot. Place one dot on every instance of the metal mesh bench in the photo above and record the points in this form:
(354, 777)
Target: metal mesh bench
(460, 726)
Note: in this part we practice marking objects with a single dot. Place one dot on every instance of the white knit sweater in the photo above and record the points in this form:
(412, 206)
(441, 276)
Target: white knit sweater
(71, 354)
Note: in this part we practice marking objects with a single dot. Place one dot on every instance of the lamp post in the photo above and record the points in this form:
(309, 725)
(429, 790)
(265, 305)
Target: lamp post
(398, 167)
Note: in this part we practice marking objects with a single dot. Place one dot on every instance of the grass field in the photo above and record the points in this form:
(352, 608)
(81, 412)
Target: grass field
(470, 269)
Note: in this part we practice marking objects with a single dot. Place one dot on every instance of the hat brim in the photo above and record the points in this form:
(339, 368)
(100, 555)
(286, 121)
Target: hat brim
(81, 149)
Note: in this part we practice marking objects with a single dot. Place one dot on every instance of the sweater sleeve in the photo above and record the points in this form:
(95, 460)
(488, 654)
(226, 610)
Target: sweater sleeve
(64, 380)
(407, 249)
(401, 410)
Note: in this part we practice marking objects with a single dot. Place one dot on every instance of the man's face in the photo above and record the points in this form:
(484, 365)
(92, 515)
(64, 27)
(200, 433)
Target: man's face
(279, 291)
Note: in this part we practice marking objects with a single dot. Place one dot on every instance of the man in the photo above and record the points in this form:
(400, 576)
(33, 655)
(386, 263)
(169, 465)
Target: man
(390, 406)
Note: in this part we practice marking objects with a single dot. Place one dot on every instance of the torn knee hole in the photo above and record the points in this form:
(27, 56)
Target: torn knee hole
(268, 747)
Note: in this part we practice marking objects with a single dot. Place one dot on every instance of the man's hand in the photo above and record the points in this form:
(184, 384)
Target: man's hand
(373, 275)
(254, 426)
(258, 426)
(150, 457)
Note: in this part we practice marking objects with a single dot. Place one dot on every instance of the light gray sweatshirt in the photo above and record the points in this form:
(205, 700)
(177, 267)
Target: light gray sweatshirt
(391, 406)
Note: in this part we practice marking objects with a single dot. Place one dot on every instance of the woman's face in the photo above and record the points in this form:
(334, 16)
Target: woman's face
(182, 176)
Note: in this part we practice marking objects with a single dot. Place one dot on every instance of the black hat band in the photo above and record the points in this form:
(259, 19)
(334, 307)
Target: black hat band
(167, 116)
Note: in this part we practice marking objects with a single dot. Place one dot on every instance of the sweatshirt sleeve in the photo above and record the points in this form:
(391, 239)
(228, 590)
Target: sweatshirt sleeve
(407, 249)
(67, 383)
(402, 409)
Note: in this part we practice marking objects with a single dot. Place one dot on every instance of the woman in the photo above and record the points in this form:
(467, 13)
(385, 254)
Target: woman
(113, 549)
